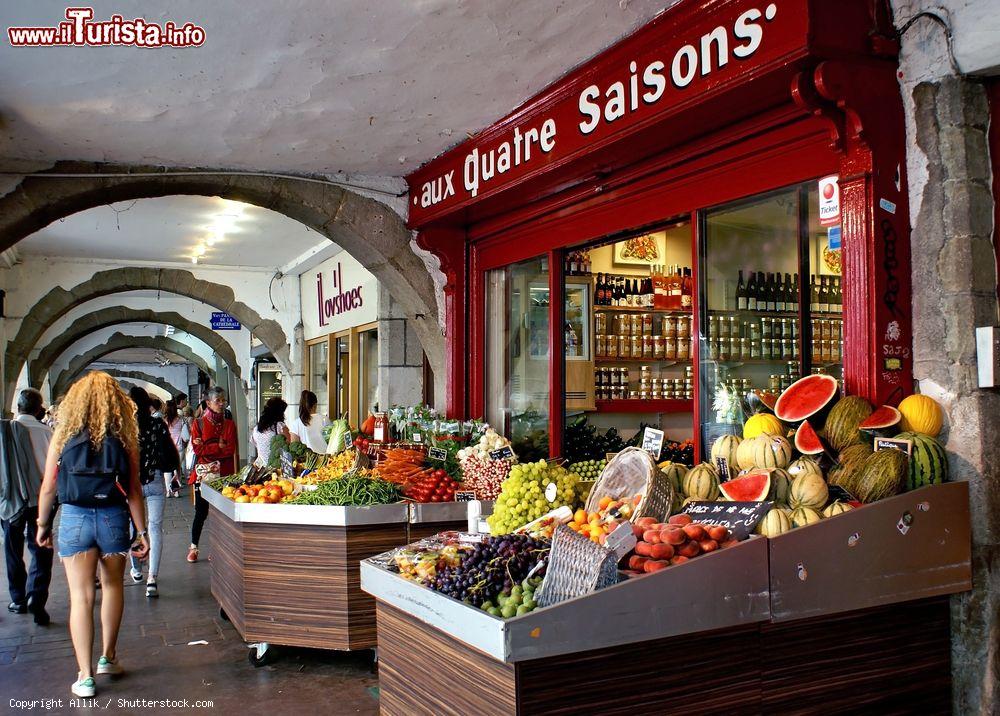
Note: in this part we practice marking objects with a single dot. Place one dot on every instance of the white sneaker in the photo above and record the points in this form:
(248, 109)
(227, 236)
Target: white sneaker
(84, 688)
(107, 666)
(136, 575)
(151, 590)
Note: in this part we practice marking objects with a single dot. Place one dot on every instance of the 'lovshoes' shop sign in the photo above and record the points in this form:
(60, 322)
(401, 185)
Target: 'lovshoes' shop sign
(682, 59)
(336, 295)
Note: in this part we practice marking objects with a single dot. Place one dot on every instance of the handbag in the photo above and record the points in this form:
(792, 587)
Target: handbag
(208, 471)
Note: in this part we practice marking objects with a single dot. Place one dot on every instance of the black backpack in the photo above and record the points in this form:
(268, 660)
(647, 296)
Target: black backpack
(93, 478)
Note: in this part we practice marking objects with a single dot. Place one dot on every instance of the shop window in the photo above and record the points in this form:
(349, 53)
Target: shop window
(628, 361)
(518, 355)
(772, 304)
(368, 362)
(342, 375)
(317, 379)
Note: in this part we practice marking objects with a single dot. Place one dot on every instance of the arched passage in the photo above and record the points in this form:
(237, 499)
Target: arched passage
(160, 383)
(115, 315)
(371, 232)
(152, 389)
(120, 341)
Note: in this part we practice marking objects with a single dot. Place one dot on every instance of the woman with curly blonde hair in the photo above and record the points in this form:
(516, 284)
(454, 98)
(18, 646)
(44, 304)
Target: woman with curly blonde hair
(93, 463)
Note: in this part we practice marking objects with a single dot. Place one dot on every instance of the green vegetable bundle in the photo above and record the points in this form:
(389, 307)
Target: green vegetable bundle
(351, 490)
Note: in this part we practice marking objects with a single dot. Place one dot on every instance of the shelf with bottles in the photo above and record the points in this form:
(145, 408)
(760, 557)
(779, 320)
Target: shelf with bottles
(663, 289)
(662, 362)
(779, 293)
(642, 309)
(669, 405)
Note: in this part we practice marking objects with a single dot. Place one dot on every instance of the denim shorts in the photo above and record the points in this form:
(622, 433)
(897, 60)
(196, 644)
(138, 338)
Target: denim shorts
(84, 528)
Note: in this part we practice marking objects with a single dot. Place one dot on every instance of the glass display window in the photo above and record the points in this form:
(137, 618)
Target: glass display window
(368, 364)
(518, 355)
(318, 373)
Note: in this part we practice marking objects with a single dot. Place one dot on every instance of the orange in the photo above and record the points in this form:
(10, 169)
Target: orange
(580, 516)
(604, 502)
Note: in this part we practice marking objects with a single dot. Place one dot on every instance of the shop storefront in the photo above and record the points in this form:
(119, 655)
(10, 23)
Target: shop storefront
(703, 214)
(340, 326)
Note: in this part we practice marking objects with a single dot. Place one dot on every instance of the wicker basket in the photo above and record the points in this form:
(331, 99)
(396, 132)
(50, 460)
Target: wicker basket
(634, 472)
(576, 567)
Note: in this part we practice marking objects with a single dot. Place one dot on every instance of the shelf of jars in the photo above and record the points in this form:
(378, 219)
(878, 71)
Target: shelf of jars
(662, 362)
(641, 309)
(628, 405)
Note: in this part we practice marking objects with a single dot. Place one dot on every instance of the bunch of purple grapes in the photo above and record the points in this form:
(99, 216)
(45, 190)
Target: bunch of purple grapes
(494, 566)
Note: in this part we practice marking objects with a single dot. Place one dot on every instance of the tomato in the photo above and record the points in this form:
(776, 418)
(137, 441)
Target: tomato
(435, 498)
(439, 473)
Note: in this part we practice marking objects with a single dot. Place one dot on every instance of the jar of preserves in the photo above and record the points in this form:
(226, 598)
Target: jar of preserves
(734, 327)
(744, 348)
(600, 323)
(635, 346)
(600, 345)
(765, 349)
(611, 346)
(633, 394)
(670, 348)
(647, 346)
(723, 349)
(723, 330)
(754, 349)
(622, 324)
(713, 326)
(380, 433)
(713, 349)
(754, 330)
(683, 348)
(624, 347)
(669, 327)
(684, 326)
(765, 327)
(647, 324)
(774, 383)
(659, 352)
(635, 324)
(786, 349)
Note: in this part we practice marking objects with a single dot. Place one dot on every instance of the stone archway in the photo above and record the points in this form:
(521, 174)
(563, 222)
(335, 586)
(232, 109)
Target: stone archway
(115, 315)
(370, 231)
(129, 375)
(121, 341)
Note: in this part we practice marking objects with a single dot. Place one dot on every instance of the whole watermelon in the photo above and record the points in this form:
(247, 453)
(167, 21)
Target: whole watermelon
(928, 461)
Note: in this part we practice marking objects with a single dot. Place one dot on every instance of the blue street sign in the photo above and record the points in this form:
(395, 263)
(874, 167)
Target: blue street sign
(222, 321)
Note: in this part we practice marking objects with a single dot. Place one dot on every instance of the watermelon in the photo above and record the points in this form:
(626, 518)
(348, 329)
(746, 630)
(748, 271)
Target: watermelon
(883, 423)
(809, 397)
(752, 487)
(928, 461)
(807, 440)
(845, 417)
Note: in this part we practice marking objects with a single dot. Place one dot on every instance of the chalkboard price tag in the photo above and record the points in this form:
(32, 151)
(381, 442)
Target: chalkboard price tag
(465, 496)
(286, 464)
(739, 517)
(436, 453)
(895, 444)
(839, 493)
(652, 442)
(723, 466)
(348, 440)
(502, 453)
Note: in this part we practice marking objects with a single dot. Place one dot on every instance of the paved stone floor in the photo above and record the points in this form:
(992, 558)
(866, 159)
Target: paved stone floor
(38, 663)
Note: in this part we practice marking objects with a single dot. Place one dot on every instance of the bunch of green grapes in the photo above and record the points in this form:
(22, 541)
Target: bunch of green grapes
(523, 495)
(516, 601)
(589, 469)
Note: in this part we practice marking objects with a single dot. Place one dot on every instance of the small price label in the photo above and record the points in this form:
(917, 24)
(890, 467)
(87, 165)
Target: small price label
(465, 496)
(723, 466)
(622, 540)
(652, 442)
(502, 453)
(418, 438)
(894, 444)
(609, 456)
(551, 492)
(436, 453)
(348, 440)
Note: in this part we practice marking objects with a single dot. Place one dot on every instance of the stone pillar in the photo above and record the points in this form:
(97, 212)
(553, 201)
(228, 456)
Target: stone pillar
(400, 356)
(955, 290)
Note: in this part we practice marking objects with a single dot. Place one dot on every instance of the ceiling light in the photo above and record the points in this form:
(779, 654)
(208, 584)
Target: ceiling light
(194, 259)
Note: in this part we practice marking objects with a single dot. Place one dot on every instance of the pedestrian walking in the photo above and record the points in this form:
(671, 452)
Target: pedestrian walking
(93, 464)
(24, 445)
(214, 442)
(271, 423)
(180, 434)
(157, 455)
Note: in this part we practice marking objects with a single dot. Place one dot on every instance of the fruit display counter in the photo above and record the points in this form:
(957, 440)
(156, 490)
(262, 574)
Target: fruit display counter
(429, 518)
(288, 574)
(846, 614)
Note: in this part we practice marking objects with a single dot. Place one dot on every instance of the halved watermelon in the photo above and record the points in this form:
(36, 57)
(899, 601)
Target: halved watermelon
(807, 440)
(883, 423)
(752, 487)
(809, 397)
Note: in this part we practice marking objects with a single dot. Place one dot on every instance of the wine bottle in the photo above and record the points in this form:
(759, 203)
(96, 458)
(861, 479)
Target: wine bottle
(741, 294)
(686, 290)
(791, 298)
(620, 291)
(779, 293)
(838, 293)
(771, 294)
(795, 292)
(752, 292)
(761, 291)
(824, 295)
(813, 294)
(674, 289)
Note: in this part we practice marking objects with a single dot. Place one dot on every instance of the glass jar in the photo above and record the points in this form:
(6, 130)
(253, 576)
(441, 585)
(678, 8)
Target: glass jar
(713, 349)
(669, 327)
(600, 345)
(713, 327)
(611, 347)
(647, 324)
(765, 349)
(380, 433)
(684, 326)
(723, 330)
(670, 348)
(754, 349)
(683, 348)
(774, 383)
(786, 349)
(658, 350)
(765, 327)
(754, 330)
(647, 346)
(734, 327)
(635, 324)
(624, 350)
(635, 345)
(600, 323)
(723, 349)
(744, 348)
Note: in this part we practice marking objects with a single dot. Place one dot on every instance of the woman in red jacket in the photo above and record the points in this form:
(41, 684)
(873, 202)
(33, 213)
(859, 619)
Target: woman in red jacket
(214, 441)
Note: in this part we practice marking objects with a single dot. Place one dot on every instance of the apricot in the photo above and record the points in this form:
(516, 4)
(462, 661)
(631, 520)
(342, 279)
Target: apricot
(636, 562)
(646, 522)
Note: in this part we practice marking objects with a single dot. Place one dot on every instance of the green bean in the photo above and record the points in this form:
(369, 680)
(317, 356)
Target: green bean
(352, 490)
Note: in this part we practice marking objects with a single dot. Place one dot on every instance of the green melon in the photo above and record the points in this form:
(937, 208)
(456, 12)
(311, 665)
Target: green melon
(804, 465)
(928, 461)
(808, 490)
(803, 516)
(842, 424)
(725, 447)
(764, 451)
(781, 485)
(774, 523)
(836, 508)
(702, 482)
(674, 472)
(882, 475)
(846, 472)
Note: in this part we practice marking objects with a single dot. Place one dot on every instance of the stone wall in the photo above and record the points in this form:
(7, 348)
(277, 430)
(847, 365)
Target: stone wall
(400, 357)
(955, 290)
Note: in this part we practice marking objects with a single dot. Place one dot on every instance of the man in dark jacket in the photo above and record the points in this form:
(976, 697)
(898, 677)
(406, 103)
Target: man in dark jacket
(24, 443)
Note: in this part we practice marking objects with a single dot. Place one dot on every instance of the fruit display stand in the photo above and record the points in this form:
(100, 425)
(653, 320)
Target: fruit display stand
(289, 574)
(846, 615)
(594, 650)
(429, 518)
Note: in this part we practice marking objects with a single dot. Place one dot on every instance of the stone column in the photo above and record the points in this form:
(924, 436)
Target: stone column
(955, 290)
(400, 356)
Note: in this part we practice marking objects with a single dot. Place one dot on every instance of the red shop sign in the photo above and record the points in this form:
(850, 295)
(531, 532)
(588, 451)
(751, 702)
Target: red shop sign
(686, 57)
